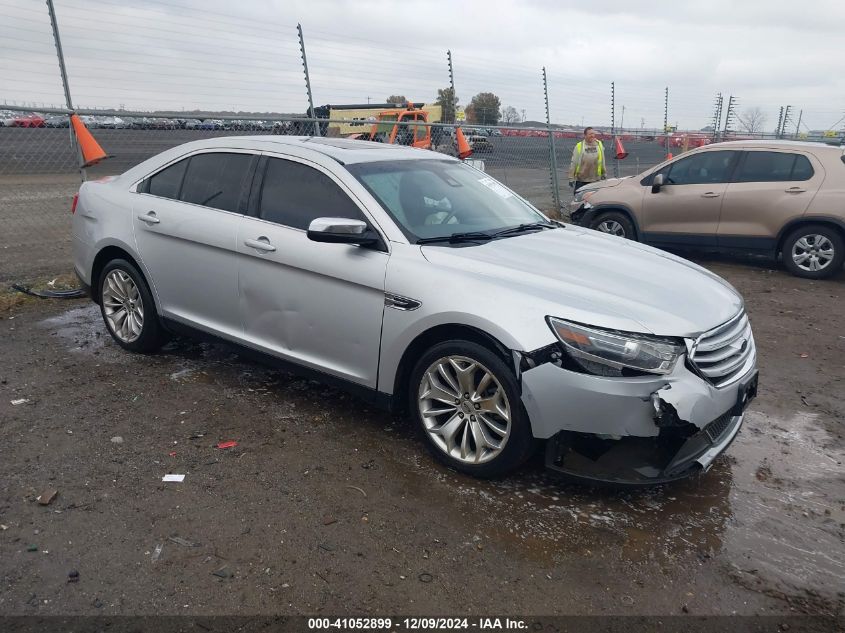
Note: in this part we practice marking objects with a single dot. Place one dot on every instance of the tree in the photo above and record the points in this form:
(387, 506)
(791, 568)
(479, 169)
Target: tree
(510, 115)
(448, 103)
(752, 120)
(484, 109)
(397, 99)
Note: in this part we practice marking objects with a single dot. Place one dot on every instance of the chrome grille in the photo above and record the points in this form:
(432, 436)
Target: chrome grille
(722, 353)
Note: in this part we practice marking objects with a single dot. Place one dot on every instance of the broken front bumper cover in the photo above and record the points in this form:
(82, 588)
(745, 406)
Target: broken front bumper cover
(636, 430)
(640, 460)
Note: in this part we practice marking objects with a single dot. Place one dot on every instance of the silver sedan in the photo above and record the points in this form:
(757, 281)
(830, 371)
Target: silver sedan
(426, 286)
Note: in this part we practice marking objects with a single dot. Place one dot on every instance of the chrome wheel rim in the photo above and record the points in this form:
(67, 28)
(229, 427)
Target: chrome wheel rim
(465, 409)
(813, 252)
(612, 227)
(122, 306)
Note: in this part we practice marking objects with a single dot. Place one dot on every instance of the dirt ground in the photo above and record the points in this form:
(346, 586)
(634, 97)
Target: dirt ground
(326, 506)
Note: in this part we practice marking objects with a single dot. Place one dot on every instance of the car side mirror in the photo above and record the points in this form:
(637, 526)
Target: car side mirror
(657, 183)
(341, 231)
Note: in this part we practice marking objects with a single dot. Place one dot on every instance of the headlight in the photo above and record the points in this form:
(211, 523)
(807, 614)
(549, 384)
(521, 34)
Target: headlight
(583, 196)
(606, 352)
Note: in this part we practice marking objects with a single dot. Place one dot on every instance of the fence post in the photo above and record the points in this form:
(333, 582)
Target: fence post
(666, 120)
(452, 86)
(553, 156)
(311, 112)
(63, 71)
(613, 126)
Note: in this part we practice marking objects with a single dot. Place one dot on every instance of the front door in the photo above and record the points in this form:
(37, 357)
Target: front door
(316, 304)
(685, 211)
(186, 220)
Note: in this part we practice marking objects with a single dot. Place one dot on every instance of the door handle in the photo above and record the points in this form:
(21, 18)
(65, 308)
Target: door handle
(710, 194)
(150, 218)
(261, 244)
(795, 190)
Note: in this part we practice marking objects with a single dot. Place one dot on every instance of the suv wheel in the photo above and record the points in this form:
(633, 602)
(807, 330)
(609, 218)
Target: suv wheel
(128, 309)
(814, 251)
(613, 223)
(466, 402)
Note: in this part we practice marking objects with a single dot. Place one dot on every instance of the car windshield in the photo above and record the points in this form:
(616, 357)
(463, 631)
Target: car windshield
(434, 198)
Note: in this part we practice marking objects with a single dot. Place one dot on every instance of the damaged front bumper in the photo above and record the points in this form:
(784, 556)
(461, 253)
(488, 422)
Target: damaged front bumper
(636, 430)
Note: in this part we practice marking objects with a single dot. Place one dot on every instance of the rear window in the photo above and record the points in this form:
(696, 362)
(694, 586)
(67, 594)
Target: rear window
(216, 180)
(167, 182)
(774, 167)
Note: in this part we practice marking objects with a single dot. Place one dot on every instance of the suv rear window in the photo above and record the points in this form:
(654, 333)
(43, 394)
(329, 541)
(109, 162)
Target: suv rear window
(774, 167)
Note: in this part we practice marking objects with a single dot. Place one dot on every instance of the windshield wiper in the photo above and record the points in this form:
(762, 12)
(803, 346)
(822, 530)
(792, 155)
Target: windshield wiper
(454, 238)
(531, 226)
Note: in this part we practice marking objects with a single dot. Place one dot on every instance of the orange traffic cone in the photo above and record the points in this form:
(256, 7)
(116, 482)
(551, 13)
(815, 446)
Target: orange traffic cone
(464, 150)
(669, 156)
(620, 150)
(91, 151)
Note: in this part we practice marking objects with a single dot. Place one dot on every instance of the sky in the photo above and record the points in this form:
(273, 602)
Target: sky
(245, 56)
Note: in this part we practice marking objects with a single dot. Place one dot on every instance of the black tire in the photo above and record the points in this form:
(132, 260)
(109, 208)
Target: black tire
(152, 335)
(807, 231)
(622, 220)
(520, 443)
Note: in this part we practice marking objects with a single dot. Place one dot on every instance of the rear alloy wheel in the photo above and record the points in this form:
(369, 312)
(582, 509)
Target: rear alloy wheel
(613, 223)
(128, 308)
(814, 251)
(467, 404)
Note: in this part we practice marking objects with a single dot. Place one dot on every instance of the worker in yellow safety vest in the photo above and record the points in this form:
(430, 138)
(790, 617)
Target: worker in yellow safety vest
(587, 161)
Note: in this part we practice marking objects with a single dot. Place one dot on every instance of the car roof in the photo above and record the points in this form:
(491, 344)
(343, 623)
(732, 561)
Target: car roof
(343, 150)
(773, 144)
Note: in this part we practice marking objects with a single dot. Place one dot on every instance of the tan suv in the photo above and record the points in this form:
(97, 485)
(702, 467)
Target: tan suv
(763, 197)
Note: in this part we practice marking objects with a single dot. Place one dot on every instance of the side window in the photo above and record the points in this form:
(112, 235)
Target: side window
(294, 194)
(167, 182)
(703, 168)
(421, 129)
(766, 167)
(216, 180)
(802, 170)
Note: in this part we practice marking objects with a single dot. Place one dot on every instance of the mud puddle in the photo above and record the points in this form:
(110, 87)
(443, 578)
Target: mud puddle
(771, 511)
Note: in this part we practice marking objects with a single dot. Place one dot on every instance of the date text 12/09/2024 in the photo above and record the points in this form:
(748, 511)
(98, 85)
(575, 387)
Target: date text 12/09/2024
(417, 624)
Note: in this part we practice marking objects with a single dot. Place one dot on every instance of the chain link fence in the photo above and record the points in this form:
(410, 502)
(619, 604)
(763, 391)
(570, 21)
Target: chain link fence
(234, 76)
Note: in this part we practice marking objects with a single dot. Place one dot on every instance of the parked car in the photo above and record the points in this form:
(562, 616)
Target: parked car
(56, 121)
(407, 278)
(140, 123)
(773, 198)
(192, 124)
(111, 122)
(7, 118)
(480, 144)
(91, 122)
(28, 120)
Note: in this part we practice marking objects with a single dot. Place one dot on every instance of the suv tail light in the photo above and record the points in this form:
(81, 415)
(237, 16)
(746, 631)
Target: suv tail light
(73, 204)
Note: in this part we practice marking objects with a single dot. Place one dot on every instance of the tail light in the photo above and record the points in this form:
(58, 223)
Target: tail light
(73, 204)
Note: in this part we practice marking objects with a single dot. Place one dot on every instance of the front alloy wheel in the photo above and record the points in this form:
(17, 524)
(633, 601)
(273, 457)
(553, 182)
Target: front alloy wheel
(464, 409)
(466, 401)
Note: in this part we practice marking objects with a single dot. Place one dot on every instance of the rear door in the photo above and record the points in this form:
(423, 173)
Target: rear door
(770, 188)
(186, 224)
(685, 211)
(316, 304)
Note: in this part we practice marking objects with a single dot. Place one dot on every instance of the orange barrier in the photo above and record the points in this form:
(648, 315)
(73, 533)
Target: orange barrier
(620, 150)
(91, 151)
(464, 150)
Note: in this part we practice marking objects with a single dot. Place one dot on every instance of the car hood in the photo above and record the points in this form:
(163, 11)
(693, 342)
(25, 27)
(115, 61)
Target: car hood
(604, 184)
(596, 279)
